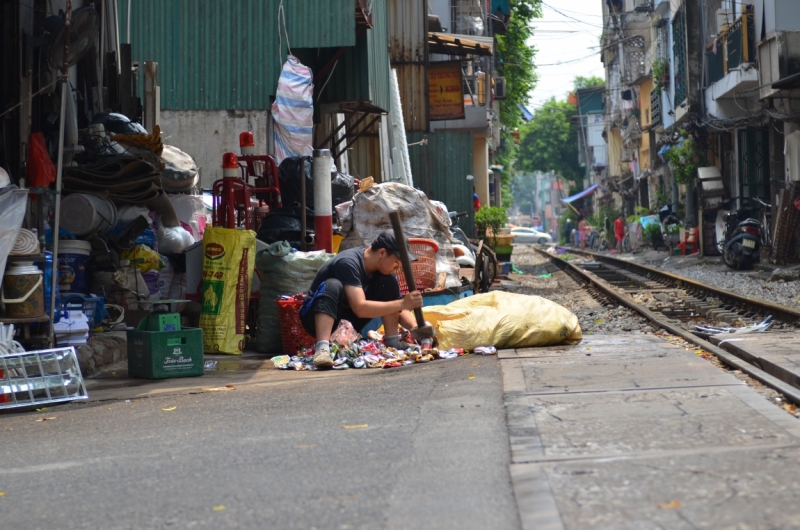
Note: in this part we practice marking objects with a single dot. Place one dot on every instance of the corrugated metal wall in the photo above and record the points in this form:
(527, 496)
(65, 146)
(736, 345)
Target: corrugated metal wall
(440, 169)
(408, 50)
(224, 55)
(362, 73)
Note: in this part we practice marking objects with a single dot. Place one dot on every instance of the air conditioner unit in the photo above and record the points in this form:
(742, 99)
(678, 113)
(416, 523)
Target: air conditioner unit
(642, 5)
(499, 88)
(626, 155)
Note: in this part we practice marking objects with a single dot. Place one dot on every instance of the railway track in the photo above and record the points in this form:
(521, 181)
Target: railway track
(681, 305)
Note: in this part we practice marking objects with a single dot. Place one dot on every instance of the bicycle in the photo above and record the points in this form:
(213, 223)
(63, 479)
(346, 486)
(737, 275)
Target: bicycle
(766, 223)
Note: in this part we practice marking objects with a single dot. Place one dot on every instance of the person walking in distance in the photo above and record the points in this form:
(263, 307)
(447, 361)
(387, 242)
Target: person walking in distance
(583, 231)
(359, 284)
(619, 230)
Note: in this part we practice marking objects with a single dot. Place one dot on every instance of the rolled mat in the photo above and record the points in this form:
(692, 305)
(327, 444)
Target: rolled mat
(123, 180)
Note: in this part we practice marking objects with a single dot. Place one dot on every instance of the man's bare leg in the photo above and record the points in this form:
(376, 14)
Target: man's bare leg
(324, 324)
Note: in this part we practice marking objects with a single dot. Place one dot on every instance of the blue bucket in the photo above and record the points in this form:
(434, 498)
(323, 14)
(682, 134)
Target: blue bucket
(73, 266)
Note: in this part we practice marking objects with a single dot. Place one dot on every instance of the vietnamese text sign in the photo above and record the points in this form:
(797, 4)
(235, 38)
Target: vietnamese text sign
(446, 95)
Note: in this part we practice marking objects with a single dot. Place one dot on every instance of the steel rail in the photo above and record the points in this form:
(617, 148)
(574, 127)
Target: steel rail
(791, 392)
(779, 312)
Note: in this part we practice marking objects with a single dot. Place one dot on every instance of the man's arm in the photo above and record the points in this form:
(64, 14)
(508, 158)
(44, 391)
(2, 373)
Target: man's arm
(364, 308)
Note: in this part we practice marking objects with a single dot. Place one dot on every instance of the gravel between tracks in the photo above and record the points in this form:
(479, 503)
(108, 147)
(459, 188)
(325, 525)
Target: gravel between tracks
(781, 287)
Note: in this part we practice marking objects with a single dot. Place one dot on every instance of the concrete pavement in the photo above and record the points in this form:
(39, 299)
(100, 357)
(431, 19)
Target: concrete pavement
(423, 446)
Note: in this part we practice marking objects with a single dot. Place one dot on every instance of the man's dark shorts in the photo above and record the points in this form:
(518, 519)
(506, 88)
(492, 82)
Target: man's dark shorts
(330, 299)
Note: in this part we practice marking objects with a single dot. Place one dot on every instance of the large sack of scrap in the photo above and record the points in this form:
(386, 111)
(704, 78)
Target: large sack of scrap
(367, 215)
(282, 272)
(503, 320)
(228, 260)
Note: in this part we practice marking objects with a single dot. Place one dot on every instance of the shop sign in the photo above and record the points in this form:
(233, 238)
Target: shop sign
(446, 92)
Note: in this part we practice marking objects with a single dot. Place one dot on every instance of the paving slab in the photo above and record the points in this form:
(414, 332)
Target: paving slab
(643, 434)
(777, 353)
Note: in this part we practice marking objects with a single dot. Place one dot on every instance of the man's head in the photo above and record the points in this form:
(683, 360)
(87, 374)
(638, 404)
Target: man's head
(387, 250)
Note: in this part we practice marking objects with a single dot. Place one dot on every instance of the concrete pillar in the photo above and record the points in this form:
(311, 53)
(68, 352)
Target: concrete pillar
(480, 167)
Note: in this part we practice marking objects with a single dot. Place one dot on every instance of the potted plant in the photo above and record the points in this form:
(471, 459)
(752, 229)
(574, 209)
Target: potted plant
(660, 74)
(490, 220)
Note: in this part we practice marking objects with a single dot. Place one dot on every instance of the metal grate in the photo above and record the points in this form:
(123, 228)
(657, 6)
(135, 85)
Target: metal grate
(753, 164)
(40, 377)
(655, 108)
(679, 51)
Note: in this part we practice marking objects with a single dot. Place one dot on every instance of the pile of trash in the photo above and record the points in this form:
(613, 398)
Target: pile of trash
(371, 352)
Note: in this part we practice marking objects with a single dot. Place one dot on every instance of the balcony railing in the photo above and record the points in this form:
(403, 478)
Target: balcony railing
(735, 46)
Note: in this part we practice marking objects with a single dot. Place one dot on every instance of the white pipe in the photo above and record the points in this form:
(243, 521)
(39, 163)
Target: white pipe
(57, 213)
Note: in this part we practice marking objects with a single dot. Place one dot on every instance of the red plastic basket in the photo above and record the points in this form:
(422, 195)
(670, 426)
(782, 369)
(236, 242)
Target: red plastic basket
(424, 269)
(293, 334)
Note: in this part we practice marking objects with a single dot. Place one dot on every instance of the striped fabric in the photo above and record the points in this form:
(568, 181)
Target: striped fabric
(293, 110)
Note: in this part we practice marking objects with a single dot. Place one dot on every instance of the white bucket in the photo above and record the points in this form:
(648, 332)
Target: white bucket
(73, 274)
(84, 214)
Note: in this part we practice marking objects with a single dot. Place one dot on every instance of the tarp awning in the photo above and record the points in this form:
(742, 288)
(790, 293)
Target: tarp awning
(451, 44)
(585, 193)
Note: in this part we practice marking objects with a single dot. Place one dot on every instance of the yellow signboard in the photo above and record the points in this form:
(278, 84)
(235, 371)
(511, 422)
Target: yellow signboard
(445, 91)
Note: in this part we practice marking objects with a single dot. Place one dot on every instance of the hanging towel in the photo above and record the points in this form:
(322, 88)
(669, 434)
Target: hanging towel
(293, 110)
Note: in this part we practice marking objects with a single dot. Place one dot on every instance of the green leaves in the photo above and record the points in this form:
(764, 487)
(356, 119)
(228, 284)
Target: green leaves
(550, 141)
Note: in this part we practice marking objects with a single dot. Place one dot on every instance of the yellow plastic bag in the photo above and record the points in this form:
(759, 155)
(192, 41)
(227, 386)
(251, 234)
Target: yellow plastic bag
(503, 320)
(228, 260)
(144, 258)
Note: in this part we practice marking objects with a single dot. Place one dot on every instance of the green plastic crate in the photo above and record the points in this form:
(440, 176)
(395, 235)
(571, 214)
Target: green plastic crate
(165, 354)
(162, 322)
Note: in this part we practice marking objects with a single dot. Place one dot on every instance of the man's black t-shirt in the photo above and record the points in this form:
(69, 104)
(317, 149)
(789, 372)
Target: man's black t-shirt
(347, 267)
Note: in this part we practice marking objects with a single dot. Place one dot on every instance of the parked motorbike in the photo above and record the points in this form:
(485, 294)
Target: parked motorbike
(738, 235)
(471, 255)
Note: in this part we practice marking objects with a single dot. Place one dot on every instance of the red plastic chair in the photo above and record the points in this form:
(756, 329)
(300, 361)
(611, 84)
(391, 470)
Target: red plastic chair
(689, 241)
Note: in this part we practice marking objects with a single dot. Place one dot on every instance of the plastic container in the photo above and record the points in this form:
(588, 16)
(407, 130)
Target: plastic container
(48, 282)
(84, 214)
(73, 273)
(23, 290)
(165, 354)
(293, 334)
(424, 269)
(161, 322)
(78, 302)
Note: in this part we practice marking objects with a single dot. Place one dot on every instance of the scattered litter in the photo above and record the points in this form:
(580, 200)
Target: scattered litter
(218, 389)
(47, 419)
(485, 350)
(359, 426)
(210, 365)
(168, 409)
(471, 376)
(218, 508)
(43, 409)
(670, 505)
(545, 276)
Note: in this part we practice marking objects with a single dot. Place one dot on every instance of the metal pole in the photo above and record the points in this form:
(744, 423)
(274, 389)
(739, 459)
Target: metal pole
(59, 173)
(323, 202)
(303, 219)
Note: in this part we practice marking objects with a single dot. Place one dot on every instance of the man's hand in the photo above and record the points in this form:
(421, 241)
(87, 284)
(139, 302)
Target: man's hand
(412, 300)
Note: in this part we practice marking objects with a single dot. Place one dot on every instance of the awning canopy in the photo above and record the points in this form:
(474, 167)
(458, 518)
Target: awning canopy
(585, 193)
(447, 44)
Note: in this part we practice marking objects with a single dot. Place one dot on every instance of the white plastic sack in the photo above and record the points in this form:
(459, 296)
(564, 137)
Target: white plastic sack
(12, 212)
(293, 111)
(173, 240)
(282, 272)
(128, 213)
(192, 213)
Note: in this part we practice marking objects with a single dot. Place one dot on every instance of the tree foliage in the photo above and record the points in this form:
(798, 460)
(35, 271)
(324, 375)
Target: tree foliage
(586, 82)
(515, 63)
(515, 60)
(550, 141)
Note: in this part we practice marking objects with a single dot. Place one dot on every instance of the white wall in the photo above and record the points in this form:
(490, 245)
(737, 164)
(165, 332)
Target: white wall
(206, 135)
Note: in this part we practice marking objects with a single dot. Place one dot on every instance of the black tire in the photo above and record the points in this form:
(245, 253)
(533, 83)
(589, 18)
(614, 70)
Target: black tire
(490, 264)
(542, 241)
(727, 258)
(484, 280)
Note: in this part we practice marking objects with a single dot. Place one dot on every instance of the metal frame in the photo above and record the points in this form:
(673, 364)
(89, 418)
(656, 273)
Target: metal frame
(58, 371)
